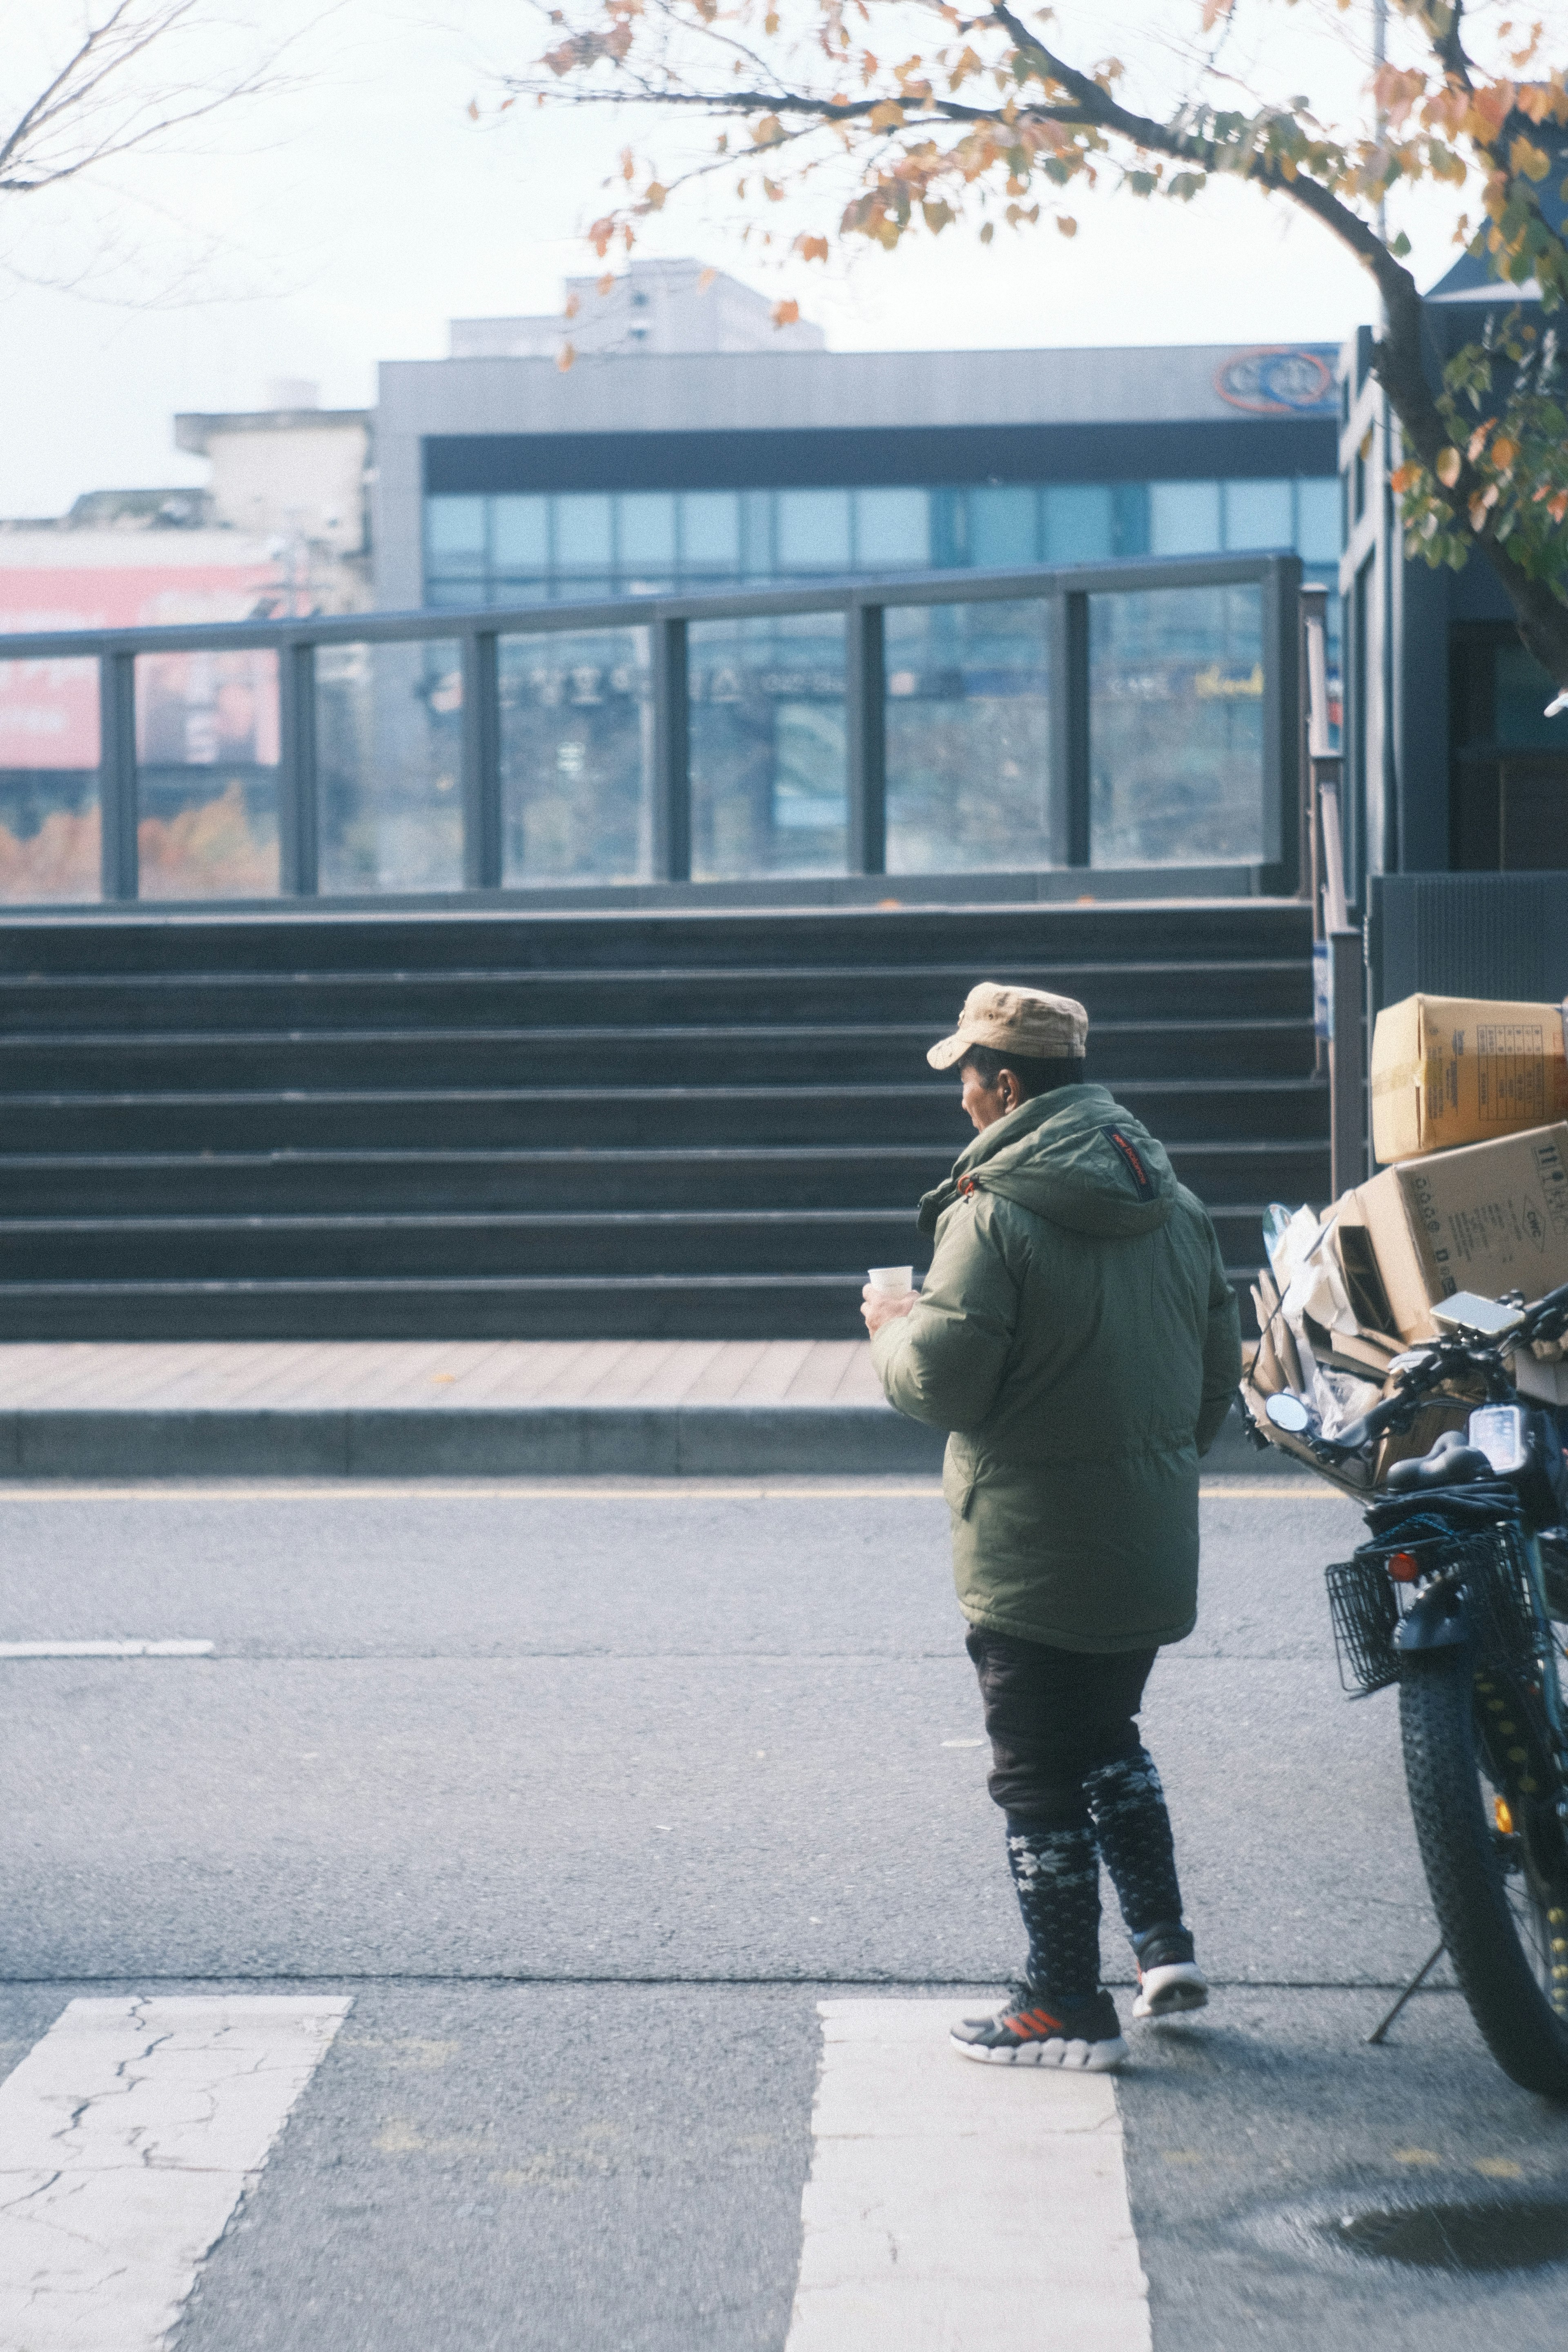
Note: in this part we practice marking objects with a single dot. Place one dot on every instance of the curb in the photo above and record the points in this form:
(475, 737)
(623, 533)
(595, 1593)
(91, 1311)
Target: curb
(568, 1440)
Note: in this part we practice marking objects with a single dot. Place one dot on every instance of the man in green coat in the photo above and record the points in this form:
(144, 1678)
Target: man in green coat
(1078, 1336)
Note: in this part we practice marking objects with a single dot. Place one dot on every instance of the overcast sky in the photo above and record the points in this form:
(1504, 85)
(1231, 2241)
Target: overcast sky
(345, 219)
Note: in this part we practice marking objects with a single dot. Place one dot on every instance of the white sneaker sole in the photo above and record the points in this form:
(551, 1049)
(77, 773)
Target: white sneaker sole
(1078, 2057)
(1168, 1991)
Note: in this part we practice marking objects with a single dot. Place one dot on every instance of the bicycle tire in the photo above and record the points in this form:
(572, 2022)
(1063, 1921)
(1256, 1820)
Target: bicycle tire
(1460, 1855)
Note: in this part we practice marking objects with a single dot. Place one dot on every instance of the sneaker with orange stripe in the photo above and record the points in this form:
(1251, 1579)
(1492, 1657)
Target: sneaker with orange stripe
(1034, 2030)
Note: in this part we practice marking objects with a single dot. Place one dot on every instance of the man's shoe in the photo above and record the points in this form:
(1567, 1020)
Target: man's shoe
(1169, 1978)
(1036, 2030)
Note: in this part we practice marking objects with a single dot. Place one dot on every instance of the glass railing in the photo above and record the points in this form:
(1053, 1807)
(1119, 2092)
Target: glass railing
(1138, 717)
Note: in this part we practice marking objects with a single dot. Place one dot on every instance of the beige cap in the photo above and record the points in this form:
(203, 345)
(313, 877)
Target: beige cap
(1014, 1021)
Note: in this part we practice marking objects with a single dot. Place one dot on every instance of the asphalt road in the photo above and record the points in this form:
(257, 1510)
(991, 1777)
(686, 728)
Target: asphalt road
(587, 1797)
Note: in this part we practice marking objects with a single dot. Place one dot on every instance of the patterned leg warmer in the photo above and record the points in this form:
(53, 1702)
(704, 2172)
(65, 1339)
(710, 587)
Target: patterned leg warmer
(1057, 1875)
(1133, 1828)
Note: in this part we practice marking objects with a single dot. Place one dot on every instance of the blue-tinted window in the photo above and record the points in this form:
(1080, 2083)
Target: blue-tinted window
(583, 540)
(892, 527)
(648, 531)
(1259, 514)
(1079, 523)
(812, 530)
(1003, 530)
(520, 535)
(1523, 690)
(1184, 518)
(1318, 520)
(455, 527)
(711, 530)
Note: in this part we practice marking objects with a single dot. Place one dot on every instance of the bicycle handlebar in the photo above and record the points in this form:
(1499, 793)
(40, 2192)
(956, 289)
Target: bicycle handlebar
(1443, 1358)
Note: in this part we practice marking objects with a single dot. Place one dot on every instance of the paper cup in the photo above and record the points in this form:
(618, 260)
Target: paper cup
(892, 1277)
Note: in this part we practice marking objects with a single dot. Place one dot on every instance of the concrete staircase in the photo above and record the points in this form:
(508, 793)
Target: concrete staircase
(381, 1124)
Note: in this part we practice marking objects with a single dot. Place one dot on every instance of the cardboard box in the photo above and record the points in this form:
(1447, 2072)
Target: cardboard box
(1488, 1217)
(1455, 1070)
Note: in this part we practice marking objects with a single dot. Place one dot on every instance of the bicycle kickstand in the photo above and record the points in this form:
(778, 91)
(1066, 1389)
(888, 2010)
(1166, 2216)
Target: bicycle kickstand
(1417, 1981)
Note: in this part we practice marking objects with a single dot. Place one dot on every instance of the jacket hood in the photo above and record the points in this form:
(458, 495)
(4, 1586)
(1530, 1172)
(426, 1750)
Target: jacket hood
(1074, 1156)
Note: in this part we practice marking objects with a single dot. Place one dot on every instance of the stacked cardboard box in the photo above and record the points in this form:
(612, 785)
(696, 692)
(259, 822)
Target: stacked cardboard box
(1349, 1290)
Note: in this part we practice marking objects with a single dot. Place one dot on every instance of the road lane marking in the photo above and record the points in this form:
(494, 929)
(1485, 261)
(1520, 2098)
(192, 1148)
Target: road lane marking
(959, 2207)
(127, 2135)
(605, 1490)
(106, 1649)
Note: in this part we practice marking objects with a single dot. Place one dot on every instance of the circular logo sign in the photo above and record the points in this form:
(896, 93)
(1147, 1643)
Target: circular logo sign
(1276, 381)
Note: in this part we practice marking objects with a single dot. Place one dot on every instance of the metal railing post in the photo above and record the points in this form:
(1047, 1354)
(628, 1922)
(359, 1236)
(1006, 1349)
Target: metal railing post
(117, 773)
(865, 744)
(481, 762)
(1347, 1061)
(672, 754)
(297, 826)
(1068, 628)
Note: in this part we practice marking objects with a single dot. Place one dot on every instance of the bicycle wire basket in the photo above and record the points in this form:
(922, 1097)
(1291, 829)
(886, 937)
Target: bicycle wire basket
(1363, 1603)
(1366, 1603)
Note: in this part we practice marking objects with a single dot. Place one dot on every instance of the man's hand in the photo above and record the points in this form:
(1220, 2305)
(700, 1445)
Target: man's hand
(879, 1307)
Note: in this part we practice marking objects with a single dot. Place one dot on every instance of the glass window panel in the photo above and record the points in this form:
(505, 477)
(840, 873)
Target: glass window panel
(583, 540)
(1259, 514)
(711, 530)
(1080, 522)
(757, 524)
(389, 722)
(968, 739)
(1522, 691)
(1176, 726)
(50, 845)
(1003, 528)
(893, 528)
(814, 531)
(454, 527)
(520, 535)
(576, 757)
(648, 531)
(1318, 520)
(1183, 518)
(768, 770)
(207, 775)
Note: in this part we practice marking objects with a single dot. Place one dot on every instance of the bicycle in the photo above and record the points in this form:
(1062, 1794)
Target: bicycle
(1455, 1599)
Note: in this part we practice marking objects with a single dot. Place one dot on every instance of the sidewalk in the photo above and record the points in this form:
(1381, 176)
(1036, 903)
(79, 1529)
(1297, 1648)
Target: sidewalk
(472, 1407)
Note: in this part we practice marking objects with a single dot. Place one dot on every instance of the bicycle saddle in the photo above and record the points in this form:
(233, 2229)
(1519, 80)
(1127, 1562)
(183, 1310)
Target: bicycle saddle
(1452, 1461)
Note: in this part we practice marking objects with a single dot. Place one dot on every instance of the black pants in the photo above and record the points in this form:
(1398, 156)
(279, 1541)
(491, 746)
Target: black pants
(1052, 1718)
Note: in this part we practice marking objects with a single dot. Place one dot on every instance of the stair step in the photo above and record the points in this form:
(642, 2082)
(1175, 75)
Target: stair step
(116, 941)
(337, 1059)
(639, 1307)
(171, 1002)
(293, 1183)
(1217, 1110)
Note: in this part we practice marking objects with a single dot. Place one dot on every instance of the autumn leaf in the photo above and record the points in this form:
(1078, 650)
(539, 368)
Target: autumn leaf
(1525, 157)
(653, 197)
(1504, 454)
(812, 248)
(565, 357)
(786, 314)
(1403, 478)
(768, 132)
(1447, 467)
(1065, 224)
(887, 116)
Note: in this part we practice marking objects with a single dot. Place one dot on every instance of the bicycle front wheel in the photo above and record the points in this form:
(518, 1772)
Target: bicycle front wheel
(1495, 1862)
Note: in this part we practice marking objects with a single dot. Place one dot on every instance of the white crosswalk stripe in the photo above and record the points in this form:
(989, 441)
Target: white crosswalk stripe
(960, 2208)
(127, 2135)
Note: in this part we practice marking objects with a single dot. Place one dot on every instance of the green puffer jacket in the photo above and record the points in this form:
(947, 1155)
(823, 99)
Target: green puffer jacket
(1078, 1338)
